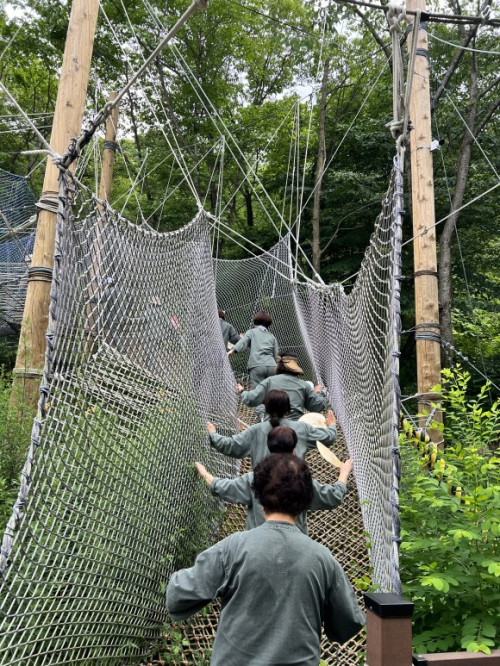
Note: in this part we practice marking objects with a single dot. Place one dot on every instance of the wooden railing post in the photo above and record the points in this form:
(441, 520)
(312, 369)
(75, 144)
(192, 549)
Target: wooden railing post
(388, 630)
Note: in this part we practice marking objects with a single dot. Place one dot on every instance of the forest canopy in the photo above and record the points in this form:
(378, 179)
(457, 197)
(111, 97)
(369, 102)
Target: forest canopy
(235, 102)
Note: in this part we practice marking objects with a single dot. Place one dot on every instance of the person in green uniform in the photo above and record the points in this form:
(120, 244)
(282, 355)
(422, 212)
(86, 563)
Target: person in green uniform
(239, 490)
(263, 348)
(303, 396)
(278, 587)
(253, 441)
(229, 333)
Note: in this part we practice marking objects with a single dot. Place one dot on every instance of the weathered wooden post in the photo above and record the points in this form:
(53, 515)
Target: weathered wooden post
(424, 244)
(108, 153)
(66, 125)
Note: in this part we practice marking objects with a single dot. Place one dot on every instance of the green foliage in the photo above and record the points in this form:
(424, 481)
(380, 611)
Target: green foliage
(15, 427)
(450, 515)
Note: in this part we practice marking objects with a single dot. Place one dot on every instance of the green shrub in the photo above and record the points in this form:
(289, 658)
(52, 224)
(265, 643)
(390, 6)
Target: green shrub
(450, 515)
(15, 428)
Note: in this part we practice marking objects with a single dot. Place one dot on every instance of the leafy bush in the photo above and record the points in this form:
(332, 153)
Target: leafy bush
(15, 427)
(450, 514)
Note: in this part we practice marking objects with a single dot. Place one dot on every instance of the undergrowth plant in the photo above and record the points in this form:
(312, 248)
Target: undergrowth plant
(450, 515)
(16, 421)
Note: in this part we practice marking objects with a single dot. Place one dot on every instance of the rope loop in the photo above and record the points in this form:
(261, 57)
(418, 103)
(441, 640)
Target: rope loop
(396, 13)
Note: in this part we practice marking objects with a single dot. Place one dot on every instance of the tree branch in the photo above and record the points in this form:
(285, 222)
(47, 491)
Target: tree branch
(488, 117)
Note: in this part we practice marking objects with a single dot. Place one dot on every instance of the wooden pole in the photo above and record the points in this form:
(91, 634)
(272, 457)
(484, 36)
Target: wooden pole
(108, 153)
(66, 125)
(105, 186)
(320, 170)
(424, 247)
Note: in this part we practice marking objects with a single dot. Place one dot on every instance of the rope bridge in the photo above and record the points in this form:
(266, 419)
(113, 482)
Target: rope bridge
(109, 503)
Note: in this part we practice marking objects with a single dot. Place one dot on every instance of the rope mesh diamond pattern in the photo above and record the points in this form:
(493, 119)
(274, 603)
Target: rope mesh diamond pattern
(109, 502)
(17, 206)
(346, 342)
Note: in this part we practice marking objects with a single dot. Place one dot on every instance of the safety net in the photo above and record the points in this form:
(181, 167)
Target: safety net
(17, 209)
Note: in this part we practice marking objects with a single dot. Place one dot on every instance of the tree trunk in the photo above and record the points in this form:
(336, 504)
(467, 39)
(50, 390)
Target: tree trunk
(445, 242)
(320, 170)
(247, 194)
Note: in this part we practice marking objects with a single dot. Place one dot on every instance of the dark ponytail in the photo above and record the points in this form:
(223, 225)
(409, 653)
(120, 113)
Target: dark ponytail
(277, 404)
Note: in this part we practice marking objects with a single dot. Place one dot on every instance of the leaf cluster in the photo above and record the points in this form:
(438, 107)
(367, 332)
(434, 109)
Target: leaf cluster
(450, 515)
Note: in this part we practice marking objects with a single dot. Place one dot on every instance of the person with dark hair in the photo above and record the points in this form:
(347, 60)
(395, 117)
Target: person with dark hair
(263, 351)
(253, 441)
(229, 333)
(239, 490)
(303, 395)
(278, 587)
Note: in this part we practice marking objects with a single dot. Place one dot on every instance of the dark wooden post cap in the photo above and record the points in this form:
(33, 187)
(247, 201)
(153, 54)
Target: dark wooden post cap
(386, 604)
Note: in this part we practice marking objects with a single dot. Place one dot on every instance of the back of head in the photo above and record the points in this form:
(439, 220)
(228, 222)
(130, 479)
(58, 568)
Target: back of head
(263, 319)
(277, 404)
(287, 364)
(283, 484)
(282, 440)
(222, 314)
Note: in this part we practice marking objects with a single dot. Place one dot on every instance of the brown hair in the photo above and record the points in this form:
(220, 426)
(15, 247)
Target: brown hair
(263, 319)
(277, 404)
(222, 314)
(283, 483)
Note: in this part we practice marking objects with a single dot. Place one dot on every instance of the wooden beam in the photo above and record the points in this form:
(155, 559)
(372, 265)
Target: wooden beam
(458, 659)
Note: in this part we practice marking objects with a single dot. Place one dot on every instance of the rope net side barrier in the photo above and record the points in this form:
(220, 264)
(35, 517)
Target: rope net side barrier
(109, 503)
(353, 340)
(347, 342)
(17, 209)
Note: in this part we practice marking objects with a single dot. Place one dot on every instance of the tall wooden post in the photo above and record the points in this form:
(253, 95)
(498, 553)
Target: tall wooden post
(108, 153)
(66, 125)
(425, 259)
(320, 170)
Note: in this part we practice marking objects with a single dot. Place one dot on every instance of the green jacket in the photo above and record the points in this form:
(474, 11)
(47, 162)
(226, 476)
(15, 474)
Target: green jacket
(253, 441)
(239, 491)
(278, 589)
(229, 333)
(301, 394)
(263, 347)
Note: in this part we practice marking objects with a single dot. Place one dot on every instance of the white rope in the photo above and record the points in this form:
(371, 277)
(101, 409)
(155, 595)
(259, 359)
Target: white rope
(213, 113)
(40, 136)
(246, 241)
(463, 48)
(454, 212)
(365, 100)
(471, 133)
(177, 154)
(195, 6)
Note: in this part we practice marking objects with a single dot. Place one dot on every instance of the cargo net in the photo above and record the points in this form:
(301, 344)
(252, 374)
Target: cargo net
(348, 343)
(17, 209)
(109, 503)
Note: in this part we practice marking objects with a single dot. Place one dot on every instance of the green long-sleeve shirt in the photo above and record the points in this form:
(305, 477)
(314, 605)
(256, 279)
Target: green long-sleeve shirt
(229, 333)
(239, 491)
(278, 589)
(253, 441)
(302, 395)
(263, 347)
